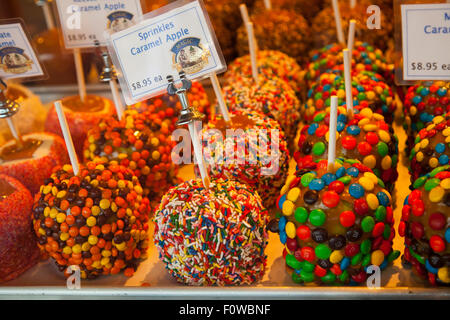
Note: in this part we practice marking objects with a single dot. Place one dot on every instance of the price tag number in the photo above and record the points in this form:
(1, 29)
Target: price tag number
(81, 37)
(427, 66)
(141, 84)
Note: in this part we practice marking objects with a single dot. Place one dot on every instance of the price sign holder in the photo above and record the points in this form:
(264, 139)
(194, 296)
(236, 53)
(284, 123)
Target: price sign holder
(18, 58)
(422, 41)
(174, 38)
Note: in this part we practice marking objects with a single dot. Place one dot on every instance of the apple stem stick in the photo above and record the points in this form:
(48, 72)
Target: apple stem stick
(351, 35)
(80, 74)
(337, 18)
(67, 137)
(268, 4)
(253, 53)
(352, 4)
(14, 132)
(332, 132)
(220, 98)
(348, 81)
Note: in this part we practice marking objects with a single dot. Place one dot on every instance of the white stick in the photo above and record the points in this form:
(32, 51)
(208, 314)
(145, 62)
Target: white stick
(268, 4)
(348, 81)
(332, 132)
(80, 74)
(198, 153)
(14, 131)
(67, 137)
(351, 35)
(219, 96)
(337, 18)
(251, 45)
(352, 4)
(116, 98)
(244, 13)
(48, 16)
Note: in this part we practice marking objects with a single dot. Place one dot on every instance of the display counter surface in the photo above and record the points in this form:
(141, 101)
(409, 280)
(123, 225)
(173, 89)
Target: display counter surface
(152, 281)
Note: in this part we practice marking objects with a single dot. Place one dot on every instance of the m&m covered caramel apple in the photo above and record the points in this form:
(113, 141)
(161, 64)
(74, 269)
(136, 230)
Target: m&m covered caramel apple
(32, 161)
(273, 97)
(334, 224)
(96, 220)
(81, 116)
(31, 115)
(323, 26)
(425, 226)
(365, 137)
(271, 63)
(422, 103)
(277, 29)
(368, 90)
(432, 147)
(365, 57)
(141, 142)
(212, 236)
(264, 163)
(18, 246)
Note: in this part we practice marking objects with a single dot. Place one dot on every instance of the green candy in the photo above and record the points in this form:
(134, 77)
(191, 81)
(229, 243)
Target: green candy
(419, 182)
(345, 179)
(431, 184)
(317, 217)
(306, 276)
(377, 172)
(380, 213)
(278, 215)
(343, 276)
(322, 251)
(386, 232)
(292, 262)
(415, 255)
(319, 148)
(367, 224)
(393, 255)
(329, 277)
(438, 169)
(382, 149)
(308, 266)
(366, 260)
(318, 95)
(366, 245)
(381, 183)
(307, 178)
(301, 214)
(319, 117)
(356, 259)
(296, 278)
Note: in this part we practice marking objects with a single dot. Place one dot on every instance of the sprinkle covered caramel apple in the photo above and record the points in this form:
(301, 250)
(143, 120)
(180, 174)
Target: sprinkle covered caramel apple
(365, 57)
(277, 29)
(34, 161)
(141, 142)
(273, 97)
(432, 147)
(81, 117)
(271, 63)
(335, 224)
(18, 246)
(365, 137)
(368, 90)
(425, 226)
(422, 103)
(266, 161)
(97, 220)
(323, 27)
(214, 236)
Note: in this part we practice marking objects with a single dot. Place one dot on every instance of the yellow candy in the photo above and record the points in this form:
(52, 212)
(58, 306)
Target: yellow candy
(367, 183)
(53, 213)
(372, 201)
(386, 163)
(371, 176)
(438, 119)
(288, 208)
(366, 112)
(61, 194)
(419, 156)
(91, 221)
(155, 155)
(446, 132)
(85, 246)
(104, 204)
(154, 142)
(293, 194)
(60, 217)
(424, 143)
(370, 127)
(447, 140)
(433, 162)
(444, 274)
(370, 95)
(67, 168)
(336, 256)
(378, 116)
(436, 194)
(377, 257)
(363, 122)
(290, 230)
(370, 161)
(64, 236)
(95, 210)
(384, 136)
(92, 240)
(445, 183)
(104, 261)
(413, 110)
(417, 147)
(76, 248)
(431, 126)
(341, 94)
(67, 250)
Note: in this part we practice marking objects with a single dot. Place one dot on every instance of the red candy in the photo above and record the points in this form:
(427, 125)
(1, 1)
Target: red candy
(417, 230)
(437, 243)
(364, 148)
(351, 249)
(330, 199)
(308, 254)
(347, 218)
(378, 229)
(348, 142)
(437, 221)
(360, 206)
(303, 232)
(337, 186)
(372, 138)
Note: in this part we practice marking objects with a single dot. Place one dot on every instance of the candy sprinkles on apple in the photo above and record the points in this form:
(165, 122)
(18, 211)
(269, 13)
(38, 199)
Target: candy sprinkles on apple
(212, 233)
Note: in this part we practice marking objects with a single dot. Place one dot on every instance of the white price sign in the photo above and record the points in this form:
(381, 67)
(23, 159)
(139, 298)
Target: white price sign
(85, 21)
(17, 57)
(175, 38)
(426, 41)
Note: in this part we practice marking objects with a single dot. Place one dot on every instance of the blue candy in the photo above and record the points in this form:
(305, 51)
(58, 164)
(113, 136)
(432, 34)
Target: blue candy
(383, 199)
(345, 263)
(353, 171)
(316, 184)
(340, 126)
(340, 172)
(342, 118)
(440, 147)
(356, 190)
(430, 268)
(328, 178)
(443, 159)
(283, 236)
(442, 92)
(353, 130)
(281, 201)
(425, 91)
(417, 99)
(447, 235)
(282, 223)
(312, 128)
